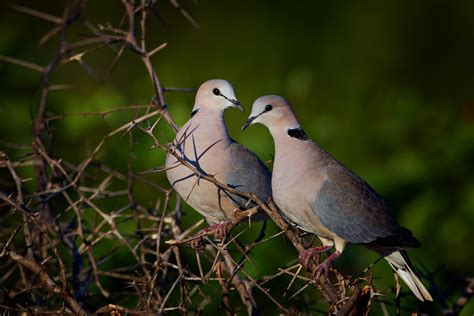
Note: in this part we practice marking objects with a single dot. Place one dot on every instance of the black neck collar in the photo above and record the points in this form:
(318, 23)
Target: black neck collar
(297, 133)
(194, 112)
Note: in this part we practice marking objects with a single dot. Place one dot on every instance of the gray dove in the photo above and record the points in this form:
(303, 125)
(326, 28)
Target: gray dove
(321, 196)
(205, 143)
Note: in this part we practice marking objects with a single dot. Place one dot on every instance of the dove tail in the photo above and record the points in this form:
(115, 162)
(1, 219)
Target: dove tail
(400, 263)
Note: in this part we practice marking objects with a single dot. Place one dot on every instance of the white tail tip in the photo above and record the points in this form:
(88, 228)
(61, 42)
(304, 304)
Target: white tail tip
(401, 266)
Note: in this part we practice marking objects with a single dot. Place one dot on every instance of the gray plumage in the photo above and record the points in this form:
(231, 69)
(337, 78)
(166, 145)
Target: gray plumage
(350, 208)
(205, 143)
(319, 194)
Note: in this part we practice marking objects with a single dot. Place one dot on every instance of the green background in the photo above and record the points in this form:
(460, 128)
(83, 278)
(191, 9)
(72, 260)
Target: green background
(387, 87)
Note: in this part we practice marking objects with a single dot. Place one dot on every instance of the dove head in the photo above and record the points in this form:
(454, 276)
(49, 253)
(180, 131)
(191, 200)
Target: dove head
(274, 112)
(216, 95)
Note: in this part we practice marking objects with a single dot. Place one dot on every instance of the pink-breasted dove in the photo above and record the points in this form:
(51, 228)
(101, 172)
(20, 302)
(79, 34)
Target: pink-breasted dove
(205, 144)
(321, 196)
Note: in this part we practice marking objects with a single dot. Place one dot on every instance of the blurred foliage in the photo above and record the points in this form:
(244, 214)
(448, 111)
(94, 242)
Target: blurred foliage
(386, 86)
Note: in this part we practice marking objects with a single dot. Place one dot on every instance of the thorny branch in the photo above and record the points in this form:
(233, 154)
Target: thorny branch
(52, 255)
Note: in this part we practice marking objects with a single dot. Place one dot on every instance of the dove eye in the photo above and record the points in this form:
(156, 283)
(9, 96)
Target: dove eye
(268, 107)
(216, 91)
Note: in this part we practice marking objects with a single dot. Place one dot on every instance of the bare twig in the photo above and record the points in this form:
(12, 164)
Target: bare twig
(47, 282)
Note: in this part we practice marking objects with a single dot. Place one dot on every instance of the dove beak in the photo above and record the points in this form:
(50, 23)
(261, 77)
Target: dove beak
(248, 122)
(236, 104)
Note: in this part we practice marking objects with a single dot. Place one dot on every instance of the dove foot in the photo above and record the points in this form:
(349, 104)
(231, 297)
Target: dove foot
(220, 230)
(306, 257)
(324, 266)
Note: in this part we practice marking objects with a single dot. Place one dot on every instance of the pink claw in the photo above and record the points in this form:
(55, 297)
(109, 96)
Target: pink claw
(324, 266)
(220, 230)
(307, 256)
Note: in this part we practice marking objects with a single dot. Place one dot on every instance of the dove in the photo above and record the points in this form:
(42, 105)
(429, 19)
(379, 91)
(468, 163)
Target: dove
(321, 196)
(204, 143)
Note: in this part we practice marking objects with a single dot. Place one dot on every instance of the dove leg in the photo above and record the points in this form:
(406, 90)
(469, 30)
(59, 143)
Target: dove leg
(307, 257)
(324, 266)
(220, 230)
(340, 244)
